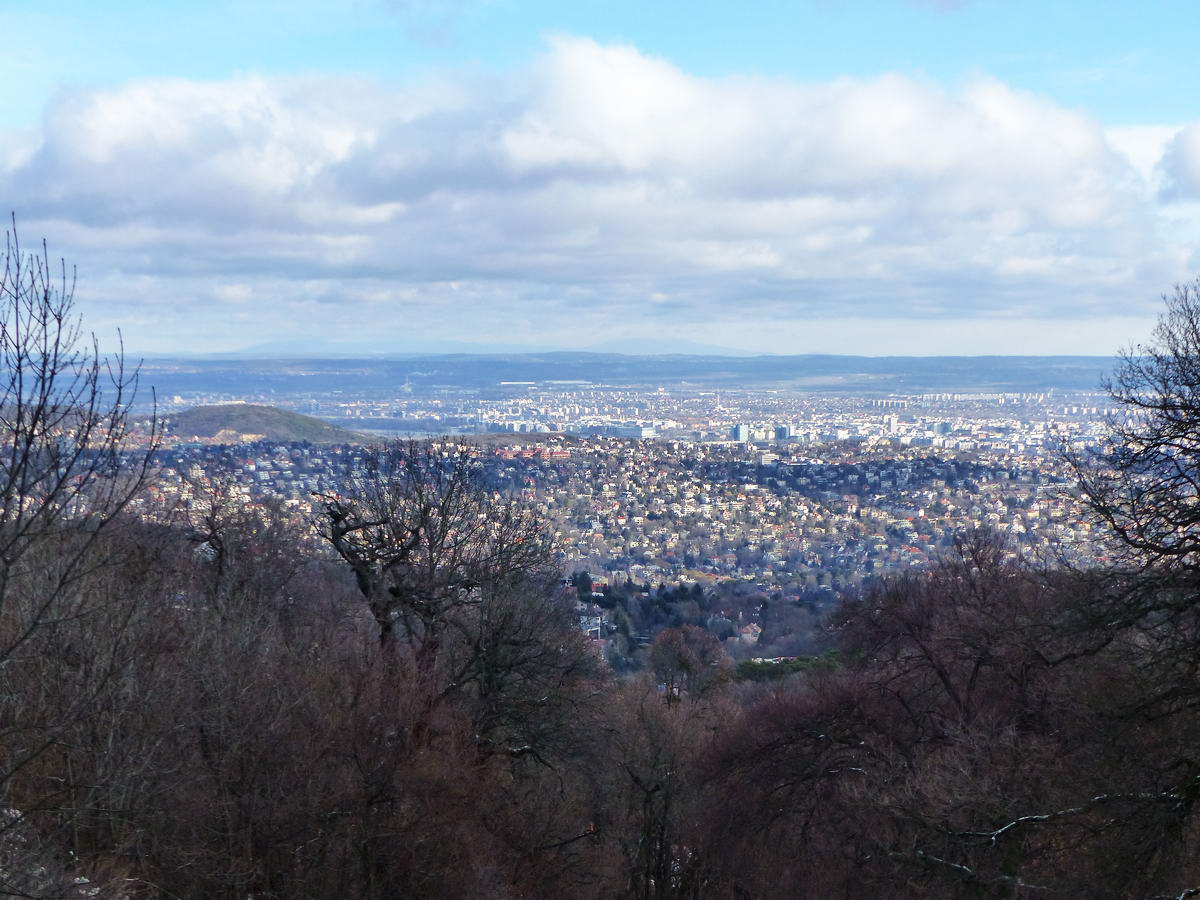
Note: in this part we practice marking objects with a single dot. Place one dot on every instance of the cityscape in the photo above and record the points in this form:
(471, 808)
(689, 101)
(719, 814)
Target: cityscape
(797, 496)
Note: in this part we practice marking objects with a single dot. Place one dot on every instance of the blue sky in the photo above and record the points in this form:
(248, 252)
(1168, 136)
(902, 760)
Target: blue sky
(1126, 63)
(898, 176)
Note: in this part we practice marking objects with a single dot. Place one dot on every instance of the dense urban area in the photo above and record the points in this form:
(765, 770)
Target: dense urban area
(789, 497)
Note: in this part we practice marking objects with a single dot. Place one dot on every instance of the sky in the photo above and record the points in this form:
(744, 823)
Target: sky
(895, 177)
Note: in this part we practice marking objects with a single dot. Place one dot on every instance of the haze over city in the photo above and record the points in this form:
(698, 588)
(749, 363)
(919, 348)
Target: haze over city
(887, 178)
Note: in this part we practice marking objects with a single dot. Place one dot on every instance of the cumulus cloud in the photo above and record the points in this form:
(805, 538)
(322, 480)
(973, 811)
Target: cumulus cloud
(598, 185)
(1180, 165)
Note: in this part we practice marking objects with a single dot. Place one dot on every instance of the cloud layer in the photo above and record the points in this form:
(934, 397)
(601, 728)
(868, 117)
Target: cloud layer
(598, 191)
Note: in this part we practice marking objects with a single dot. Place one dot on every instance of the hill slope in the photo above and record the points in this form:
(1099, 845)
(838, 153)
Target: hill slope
(238, 419)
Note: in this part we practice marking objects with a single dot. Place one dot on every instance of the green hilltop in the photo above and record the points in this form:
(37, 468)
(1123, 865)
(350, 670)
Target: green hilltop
(251, 419)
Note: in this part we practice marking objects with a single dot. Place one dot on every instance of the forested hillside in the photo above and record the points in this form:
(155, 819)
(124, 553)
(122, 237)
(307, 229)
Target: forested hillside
(262, 422)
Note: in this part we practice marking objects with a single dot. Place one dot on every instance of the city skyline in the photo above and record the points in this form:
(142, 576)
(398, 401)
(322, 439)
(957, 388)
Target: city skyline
(891, 178)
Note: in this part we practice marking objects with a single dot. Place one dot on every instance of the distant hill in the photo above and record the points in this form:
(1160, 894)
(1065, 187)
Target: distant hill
(235, 422)
(391, 349)
(870, 375)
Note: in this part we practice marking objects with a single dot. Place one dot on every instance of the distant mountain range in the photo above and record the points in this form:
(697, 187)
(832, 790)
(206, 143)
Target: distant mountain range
(818, 373)
(235, 419)
(404, 349)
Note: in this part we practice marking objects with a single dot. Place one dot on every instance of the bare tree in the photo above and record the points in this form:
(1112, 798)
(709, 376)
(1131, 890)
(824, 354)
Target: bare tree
(250, 550)
(688, 660)
(462, 582)
(653, 812)
(422, 535)
(68, 470)
(1144, 482)
(67, 464)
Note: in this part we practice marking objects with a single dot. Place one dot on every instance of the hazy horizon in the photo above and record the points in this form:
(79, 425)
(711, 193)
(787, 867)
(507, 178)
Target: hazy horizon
(318, 350)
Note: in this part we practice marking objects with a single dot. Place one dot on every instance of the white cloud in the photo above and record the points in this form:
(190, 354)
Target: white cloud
(591, 181)
(1180, 165)
(1143, 146)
